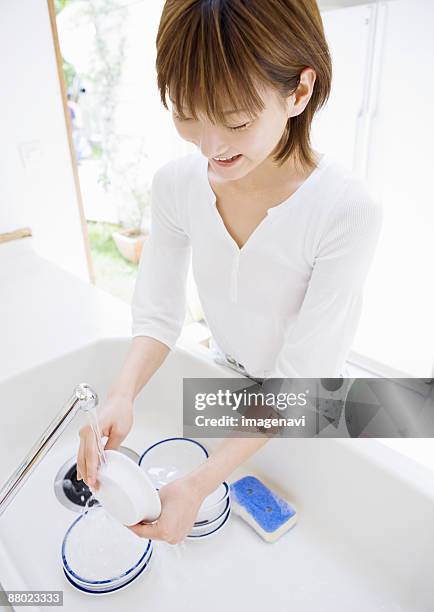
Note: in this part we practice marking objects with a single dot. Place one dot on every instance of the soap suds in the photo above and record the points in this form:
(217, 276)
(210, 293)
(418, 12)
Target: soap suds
(100, 548)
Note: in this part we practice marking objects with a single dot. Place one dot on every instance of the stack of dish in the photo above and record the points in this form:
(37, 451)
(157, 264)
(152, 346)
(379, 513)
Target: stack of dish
(172, 458)
(100, 555)
(213, 514)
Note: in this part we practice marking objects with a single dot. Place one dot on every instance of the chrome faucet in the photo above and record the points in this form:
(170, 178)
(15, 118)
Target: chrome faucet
(84, 398)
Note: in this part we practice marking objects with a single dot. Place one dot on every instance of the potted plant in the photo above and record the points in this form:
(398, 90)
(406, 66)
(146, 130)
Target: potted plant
(131, 238)
(133, 194)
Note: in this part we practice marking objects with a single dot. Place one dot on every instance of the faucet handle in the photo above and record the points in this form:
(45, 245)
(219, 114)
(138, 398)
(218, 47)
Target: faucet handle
(86, 396)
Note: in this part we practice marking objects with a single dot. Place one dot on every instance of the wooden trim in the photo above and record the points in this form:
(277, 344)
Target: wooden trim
(59, 63)
(23, 232)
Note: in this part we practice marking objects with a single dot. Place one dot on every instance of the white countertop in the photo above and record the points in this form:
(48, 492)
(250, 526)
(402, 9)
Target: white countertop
(46, 312)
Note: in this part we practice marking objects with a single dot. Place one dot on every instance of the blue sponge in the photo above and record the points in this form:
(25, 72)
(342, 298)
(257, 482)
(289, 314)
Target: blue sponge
(268, 513)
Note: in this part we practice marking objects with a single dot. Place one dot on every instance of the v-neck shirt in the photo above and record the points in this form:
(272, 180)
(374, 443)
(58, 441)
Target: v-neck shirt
(285, 304)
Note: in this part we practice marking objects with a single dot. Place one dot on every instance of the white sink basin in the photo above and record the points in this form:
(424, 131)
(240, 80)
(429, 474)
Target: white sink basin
(364, 541)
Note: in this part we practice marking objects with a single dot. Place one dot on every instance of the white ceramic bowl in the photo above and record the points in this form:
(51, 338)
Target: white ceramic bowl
(213, 505)
(197, 527)
(125, 490)
(170, 459)
(205, 531)
(100, 556)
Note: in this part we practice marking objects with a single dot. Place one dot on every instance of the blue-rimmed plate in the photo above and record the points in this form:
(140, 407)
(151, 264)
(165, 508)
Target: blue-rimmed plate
(92, 540)
(90, 590)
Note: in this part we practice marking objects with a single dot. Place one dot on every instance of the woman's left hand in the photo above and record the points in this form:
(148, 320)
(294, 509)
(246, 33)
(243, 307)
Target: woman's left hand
(180, 503)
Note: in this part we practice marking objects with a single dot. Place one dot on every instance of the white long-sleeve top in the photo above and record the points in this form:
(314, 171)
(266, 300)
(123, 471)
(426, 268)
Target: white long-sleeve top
(288, 302)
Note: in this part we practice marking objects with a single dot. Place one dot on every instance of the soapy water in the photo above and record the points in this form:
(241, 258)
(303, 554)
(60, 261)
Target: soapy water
(100, 548)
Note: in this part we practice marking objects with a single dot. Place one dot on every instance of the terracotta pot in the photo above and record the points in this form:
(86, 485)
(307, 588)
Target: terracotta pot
(130, 243)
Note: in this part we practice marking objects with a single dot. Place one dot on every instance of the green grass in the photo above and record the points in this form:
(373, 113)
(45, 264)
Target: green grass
(113, 272)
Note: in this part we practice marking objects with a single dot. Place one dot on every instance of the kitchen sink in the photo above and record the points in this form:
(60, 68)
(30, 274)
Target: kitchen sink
(364, 541)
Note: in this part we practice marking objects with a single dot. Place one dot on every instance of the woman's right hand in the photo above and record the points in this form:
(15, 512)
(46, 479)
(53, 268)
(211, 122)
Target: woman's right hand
(115, 420)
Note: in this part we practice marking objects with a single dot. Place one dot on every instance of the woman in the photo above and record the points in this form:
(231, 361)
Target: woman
(281, 236)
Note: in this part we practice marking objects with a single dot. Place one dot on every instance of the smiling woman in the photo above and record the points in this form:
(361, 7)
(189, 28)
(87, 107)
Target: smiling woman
(216, 56)
(280, 237)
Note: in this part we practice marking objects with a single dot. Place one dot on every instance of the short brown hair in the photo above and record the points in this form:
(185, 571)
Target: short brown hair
(214, 51)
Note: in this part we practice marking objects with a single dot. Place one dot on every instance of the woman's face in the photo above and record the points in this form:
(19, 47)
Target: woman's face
(252, 139)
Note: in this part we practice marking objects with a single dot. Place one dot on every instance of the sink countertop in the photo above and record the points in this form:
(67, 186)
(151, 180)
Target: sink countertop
(47, 312)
